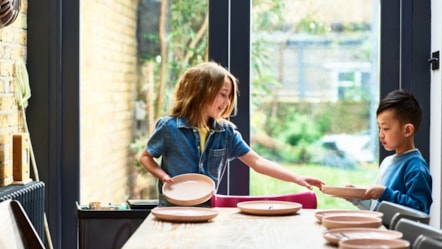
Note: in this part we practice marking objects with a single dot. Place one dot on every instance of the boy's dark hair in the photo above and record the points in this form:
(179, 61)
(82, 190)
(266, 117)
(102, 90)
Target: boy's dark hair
(406, 107)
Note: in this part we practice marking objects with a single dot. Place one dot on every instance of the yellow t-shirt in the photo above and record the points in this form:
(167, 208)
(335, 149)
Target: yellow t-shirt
(204, 133)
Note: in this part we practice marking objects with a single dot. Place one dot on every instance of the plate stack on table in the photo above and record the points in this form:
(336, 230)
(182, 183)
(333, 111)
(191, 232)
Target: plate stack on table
(359, 229)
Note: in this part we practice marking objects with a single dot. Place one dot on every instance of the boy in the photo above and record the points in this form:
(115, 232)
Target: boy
(403, 178)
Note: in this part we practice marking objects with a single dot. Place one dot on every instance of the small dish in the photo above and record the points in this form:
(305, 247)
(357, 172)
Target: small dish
(269, 207)
(333, 236)
(374, 243)
(184, 214)
(344, 192)
(345, 221)
(189, 189)
(320, 214)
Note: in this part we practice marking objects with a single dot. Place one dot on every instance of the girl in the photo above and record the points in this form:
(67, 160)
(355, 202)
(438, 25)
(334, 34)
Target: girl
(198, 138)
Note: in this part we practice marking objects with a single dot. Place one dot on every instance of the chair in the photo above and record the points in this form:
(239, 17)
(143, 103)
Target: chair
(411, 230)
(17, 230)
(307, 199)
(393, 212)
(426, 242)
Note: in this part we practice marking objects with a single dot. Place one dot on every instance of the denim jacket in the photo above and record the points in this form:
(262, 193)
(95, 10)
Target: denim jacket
(178, 145)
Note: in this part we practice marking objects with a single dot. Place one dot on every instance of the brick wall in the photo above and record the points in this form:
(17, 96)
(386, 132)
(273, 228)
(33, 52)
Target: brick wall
(13, 40)
(108, 89)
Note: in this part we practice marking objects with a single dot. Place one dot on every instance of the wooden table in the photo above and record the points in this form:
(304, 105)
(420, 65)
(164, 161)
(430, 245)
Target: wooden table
(233, 229)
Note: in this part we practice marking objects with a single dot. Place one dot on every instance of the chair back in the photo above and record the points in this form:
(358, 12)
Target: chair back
(411, 230)
(393, 212)
(17, 230)
(426, 242)
(307, 199)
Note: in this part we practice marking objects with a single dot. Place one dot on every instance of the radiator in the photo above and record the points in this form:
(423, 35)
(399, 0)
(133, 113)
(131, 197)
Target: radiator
(32, 197)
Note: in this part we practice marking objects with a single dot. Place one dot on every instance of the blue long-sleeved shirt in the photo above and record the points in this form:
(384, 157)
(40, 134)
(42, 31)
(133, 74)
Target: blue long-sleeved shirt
(407, 180)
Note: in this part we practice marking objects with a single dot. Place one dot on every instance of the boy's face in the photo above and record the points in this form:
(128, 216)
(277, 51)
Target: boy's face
(392, 134)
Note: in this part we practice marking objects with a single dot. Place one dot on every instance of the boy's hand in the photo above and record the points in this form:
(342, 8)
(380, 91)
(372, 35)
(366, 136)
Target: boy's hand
(373, 192)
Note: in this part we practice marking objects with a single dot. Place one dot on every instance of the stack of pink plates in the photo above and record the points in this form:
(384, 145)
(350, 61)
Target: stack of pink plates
(189, 189)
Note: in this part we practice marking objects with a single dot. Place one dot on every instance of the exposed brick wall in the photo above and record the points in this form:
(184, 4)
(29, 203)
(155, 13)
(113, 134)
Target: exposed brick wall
(108, 88)
(13, 40)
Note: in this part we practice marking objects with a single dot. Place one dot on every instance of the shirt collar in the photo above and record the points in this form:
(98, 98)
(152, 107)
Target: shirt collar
(184, 123)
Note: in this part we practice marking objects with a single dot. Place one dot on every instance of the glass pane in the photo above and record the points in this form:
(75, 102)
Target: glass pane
(131, 55)
(315, 92)
(172, 35)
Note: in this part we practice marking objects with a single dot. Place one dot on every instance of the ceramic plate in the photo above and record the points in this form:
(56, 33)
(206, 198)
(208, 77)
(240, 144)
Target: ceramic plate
(320, 214)
(184, 214)
(345, 221)
(344, 192)
(374, 243)
(189, 189)
(269, 207)
(333, 236)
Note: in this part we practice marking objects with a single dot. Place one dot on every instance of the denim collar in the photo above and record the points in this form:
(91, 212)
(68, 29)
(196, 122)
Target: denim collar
(217, 127)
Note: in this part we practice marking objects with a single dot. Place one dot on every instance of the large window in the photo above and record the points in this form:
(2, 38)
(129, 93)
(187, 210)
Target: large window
(315, 88)
(53, 65)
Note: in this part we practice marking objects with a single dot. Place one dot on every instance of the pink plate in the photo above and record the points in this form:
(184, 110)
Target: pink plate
(374, 243)
(333, 236)
(322, 213)
(344, 192)
(184, 214)
(189, 189)
(269, 207)
(341, 221)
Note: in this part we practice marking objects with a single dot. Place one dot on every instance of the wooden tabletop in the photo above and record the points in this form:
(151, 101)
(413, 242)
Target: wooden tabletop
(233, 229)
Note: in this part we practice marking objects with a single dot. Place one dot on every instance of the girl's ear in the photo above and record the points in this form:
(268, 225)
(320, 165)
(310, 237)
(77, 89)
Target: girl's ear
(408, 130)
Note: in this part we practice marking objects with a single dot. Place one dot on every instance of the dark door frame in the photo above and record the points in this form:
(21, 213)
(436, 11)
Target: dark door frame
(53, 66)
(53, 112)
(405, 48)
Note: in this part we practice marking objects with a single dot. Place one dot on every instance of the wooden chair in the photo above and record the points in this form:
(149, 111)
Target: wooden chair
(17, 230)
(411, 230)
(307, 199)
(393, 212)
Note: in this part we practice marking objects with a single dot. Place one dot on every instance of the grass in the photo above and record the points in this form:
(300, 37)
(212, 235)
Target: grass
(362, 177)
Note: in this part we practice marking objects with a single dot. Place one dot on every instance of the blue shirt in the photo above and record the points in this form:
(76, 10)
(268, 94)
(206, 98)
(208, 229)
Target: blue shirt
(178, 145)
(407, 180)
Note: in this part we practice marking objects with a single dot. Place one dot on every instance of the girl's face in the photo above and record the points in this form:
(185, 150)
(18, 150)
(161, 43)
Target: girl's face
(393, 135)
(221, 101)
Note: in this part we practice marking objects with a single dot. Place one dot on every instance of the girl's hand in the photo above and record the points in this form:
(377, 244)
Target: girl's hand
(166, 178)
(309, 182)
